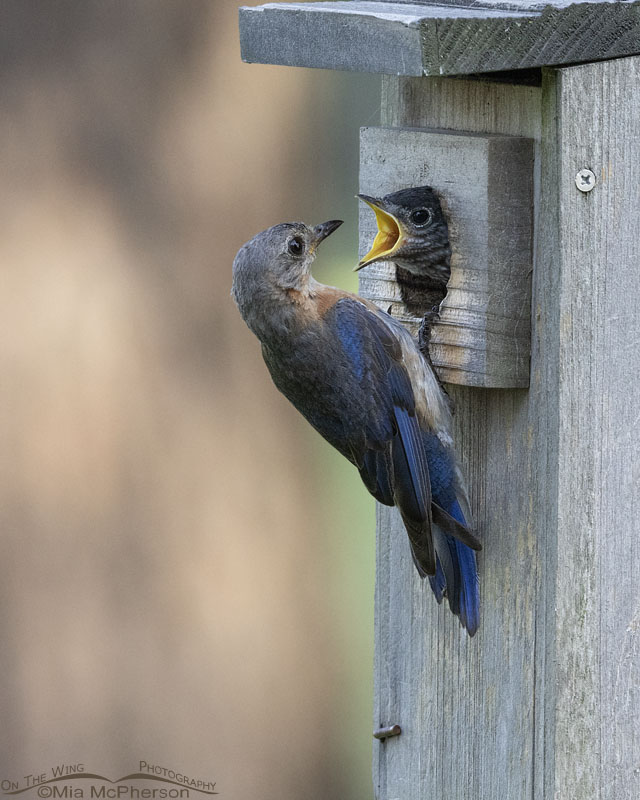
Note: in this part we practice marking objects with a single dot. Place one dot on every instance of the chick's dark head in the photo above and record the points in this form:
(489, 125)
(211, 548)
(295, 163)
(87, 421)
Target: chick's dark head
(412, 232)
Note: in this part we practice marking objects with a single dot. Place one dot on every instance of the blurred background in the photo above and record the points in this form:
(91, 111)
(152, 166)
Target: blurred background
(186, 568)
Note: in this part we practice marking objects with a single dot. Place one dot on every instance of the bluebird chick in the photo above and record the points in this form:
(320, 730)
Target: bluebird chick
(413, 233)
(358, 377)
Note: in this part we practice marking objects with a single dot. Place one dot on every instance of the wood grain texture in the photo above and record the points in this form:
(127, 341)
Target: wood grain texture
(465, 705)
(544, 702)
(485, 183)
(580, 32)
(444, 38)
(333, 36)
(501, 5)
(594, 693)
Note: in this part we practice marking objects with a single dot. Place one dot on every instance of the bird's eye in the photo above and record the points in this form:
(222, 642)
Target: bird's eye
(296, 246)
(420, 217)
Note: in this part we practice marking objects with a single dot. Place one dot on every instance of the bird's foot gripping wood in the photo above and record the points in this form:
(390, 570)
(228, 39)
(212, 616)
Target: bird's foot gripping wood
(424, 340)
(424, 333)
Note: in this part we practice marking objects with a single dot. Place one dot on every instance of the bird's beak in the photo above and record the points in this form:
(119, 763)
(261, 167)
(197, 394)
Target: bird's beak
(389, 236)
(325, 229)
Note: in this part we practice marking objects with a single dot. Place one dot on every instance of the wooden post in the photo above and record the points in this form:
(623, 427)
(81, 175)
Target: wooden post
(544, 702)
(466, 706)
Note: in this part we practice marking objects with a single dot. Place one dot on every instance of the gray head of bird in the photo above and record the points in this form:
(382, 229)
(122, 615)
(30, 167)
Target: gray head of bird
(273, 265)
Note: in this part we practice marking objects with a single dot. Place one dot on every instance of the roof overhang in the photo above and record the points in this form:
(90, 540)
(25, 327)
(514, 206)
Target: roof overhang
(447, 38)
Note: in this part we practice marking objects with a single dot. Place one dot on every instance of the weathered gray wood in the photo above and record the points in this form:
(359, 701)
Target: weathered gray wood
(544, 702)
(447, 38)
(465, 706)
(486, 186)
(502, 5)
(580, 32)
(593, 248)
(368, 39)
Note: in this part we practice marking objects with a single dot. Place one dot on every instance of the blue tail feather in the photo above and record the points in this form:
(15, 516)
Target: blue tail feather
(438, 582)
(456, 567)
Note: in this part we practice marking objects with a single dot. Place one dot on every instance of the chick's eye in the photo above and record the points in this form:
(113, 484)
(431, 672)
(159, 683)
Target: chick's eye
(421, 216)
(296, 246)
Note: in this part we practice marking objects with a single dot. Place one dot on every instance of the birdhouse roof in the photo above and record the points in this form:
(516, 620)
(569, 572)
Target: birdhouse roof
(444, 38)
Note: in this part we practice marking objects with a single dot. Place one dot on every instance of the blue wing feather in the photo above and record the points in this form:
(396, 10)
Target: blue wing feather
(400, 463)
(352, 338)
(416, 484)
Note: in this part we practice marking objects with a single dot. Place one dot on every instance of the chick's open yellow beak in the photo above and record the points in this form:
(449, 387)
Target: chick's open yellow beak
(388, 238)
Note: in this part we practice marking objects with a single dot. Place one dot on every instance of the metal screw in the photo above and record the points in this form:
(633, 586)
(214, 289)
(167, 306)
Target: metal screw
(385, 733)
(585, 180)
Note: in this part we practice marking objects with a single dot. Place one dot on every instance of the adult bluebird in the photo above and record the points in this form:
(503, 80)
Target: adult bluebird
(358, 377)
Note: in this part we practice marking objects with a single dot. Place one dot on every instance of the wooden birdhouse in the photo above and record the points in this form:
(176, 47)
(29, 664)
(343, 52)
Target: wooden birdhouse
(525, 118)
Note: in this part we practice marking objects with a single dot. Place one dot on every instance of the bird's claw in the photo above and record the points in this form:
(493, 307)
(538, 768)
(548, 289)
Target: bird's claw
(424, 333)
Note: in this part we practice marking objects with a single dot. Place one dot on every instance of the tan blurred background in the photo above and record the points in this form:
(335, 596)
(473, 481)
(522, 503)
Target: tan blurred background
(186, 569)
